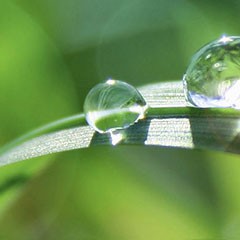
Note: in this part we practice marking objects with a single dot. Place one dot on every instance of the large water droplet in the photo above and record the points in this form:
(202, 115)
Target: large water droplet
(112, 106)
(213, 76)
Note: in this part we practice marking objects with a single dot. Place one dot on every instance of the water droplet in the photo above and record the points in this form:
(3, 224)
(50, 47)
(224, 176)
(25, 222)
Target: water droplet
(112, 106)
(213, 76)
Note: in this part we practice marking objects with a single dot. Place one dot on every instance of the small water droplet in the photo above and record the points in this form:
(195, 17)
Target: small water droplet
(213, 76)
(112, 106)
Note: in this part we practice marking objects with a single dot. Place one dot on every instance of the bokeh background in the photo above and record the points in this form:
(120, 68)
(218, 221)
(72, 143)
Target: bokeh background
(51, 53)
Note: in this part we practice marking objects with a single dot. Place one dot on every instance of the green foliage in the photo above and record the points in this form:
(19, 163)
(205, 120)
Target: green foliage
(52, 53)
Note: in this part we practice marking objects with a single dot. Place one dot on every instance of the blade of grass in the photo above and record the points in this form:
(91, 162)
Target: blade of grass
(170, 122)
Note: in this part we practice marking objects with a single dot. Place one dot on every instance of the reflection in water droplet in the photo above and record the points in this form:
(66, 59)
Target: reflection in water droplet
(112, 106)
(213, 76)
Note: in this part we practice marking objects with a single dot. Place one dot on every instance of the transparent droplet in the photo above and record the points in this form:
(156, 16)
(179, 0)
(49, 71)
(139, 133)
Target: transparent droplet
(213, 76)
(112, 106)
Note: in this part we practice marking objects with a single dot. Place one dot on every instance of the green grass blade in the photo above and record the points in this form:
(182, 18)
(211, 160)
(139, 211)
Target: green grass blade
(170, 122)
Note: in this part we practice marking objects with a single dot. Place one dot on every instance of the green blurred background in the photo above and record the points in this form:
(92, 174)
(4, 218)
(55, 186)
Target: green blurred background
(51, 53)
